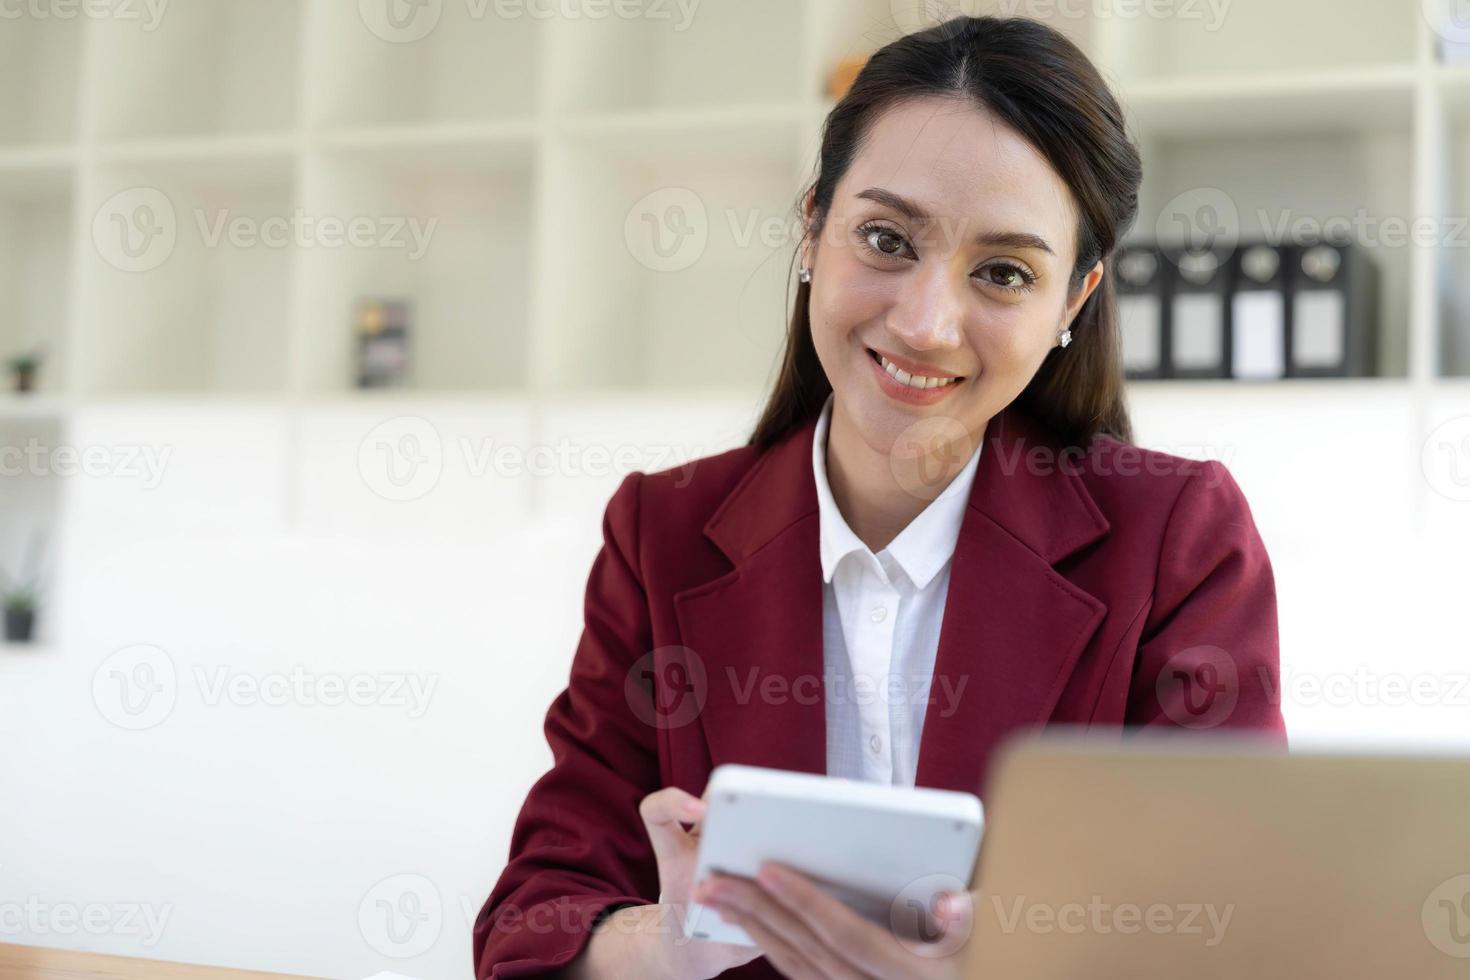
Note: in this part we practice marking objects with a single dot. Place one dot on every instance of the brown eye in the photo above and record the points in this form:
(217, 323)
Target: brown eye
(885, 239)
(1009, 277)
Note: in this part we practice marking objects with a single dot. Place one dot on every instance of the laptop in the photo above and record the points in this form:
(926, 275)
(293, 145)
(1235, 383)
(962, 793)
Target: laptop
(1208, 856)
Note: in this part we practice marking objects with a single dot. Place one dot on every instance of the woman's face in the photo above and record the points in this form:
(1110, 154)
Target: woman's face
(947, 251)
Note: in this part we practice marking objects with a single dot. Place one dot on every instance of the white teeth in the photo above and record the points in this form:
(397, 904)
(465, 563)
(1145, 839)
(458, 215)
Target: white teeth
(912, 380)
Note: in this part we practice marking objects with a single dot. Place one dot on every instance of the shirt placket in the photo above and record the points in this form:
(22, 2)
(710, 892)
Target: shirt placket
(876, 615)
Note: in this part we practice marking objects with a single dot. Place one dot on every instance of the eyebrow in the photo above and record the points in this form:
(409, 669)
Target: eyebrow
(999, 239)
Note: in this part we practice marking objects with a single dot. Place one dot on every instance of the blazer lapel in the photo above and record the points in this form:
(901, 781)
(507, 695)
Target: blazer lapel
(1013, 625)
(757, 630)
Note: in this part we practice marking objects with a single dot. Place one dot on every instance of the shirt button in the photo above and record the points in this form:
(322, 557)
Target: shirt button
(879, 614)
(876, 744)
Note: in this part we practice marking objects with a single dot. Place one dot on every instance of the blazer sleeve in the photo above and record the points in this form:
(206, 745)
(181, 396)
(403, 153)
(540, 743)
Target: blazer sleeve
(578, 847)
(1209, 654)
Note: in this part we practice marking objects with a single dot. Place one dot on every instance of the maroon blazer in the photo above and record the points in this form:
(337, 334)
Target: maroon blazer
(1116, 587)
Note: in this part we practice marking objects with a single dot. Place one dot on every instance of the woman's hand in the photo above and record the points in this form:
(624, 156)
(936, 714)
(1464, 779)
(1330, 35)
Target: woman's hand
(808, 934)
(675, 849)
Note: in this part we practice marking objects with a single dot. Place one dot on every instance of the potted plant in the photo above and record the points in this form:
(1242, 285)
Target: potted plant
(23, 367)
(20, 598)
(20, 615)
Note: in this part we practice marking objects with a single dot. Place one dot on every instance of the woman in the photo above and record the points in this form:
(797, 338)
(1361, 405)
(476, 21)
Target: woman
(940, 499)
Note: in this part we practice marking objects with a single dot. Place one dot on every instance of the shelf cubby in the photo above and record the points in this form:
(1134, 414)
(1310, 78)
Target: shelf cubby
(227, 66)
(39, 58)
(1351, 176)
(677, 247)
(725, 53)
(207, 313)
(1452, 278)
(1238, 40)
(464, 272)
(453, 62)
(36, 225)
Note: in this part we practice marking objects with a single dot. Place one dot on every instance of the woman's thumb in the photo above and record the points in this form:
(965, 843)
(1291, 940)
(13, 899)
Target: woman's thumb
(663, 812)
(956, 914)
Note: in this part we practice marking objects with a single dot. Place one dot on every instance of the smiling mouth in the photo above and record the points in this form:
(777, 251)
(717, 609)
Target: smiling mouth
(917, 381)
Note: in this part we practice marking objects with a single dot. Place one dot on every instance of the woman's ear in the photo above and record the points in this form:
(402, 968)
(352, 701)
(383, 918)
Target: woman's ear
(1094, 276)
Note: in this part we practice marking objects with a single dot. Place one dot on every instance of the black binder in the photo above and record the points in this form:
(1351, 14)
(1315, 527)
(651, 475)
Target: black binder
(1198, 288)
(1142, 311)
(1258, 311)
(1334, 312)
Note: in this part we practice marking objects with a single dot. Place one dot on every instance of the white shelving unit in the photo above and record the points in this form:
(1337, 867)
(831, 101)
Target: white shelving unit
(531, 146)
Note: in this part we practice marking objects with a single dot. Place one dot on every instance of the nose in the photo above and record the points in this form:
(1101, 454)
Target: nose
(929, 309)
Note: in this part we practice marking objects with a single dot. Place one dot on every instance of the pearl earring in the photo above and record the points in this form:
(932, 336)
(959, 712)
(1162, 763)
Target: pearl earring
(806, 274)
(1066, 337)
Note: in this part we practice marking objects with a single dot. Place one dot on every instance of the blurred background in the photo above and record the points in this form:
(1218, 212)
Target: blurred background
(329, 327)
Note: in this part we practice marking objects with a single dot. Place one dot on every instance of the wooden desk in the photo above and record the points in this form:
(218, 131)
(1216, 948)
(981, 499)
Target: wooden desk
(37, 963)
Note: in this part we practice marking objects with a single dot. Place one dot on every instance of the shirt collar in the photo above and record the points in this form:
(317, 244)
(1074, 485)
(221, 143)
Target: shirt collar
(922, 548)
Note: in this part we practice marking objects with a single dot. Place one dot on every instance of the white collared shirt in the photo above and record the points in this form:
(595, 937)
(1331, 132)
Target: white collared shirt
(880, 626)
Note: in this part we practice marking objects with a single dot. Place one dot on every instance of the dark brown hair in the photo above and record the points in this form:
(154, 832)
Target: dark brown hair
(1039, 83)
